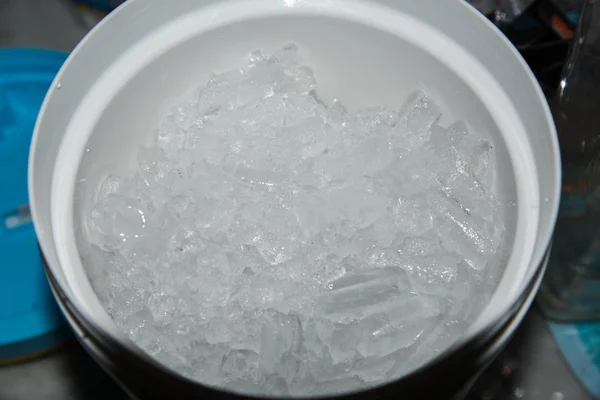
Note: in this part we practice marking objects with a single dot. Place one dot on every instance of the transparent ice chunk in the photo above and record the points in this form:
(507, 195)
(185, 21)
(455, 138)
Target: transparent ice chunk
(360, 209)
(338, 386)
(116, 220)
(280, 342)
(400, 325)
(110, 186)
(371, 156)
(412, 215)
(420, 246)
(339, 339)
(239, 364)
(459, 228)
(358, 295)
(417, 116)
(273, 248)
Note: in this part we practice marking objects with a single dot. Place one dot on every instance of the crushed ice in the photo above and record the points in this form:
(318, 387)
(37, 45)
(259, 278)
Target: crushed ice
(272, 243)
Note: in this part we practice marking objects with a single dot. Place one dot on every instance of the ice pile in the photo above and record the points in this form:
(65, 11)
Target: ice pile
(273, 243)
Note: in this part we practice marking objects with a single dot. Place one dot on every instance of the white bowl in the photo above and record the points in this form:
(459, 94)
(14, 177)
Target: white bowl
(123, 77)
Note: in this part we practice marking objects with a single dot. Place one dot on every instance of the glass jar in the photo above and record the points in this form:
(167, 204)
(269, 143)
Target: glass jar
(571, 287)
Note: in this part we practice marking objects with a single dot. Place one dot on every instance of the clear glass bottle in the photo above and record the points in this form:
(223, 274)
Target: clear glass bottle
(571, 287)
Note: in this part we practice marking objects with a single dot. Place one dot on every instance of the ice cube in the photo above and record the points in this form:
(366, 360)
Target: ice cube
(373, 371)
(246, 260)
(379, 257)
(288, 56)
(274, 249)
(417, 116)
(110, 186)
(463, 186)
(456, 135)
(372, 122)
(371, 156)
(433, 343)
(416, 173)
(239, 364)
(338, 386)
(384, 232)
(358, 295)
(281, 340)
(400, 325)
(115, 221)
(362, 208)
(412, 215)
(462, 230)
(340, 339)
(439, 269)
(448, 277)
(420, 246)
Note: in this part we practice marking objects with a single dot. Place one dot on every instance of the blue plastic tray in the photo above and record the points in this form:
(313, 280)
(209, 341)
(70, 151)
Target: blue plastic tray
(30, 322)
(580, 346)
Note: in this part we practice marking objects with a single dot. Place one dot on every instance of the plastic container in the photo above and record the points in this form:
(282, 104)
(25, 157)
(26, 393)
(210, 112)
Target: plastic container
(571, 289)
(30, 321)
(119, 82)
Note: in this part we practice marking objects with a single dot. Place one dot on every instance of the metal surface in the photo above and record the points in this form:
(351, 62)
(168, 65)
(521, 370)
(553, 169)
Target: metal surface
(530, 368)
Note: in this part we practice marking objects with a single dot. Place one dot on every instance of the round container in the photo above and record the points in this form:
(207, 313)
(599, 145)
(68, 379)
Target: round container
(120, 81)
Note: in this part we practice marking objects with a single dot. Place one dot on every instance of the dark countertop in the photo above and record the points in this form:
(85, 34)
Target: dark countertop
(531, 366)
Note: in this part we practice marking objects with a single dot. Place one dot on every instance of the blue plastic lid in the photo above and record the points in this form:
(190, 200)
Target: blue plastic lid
(30, 321)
